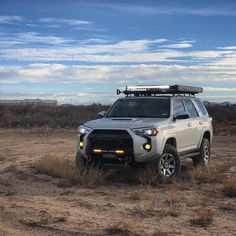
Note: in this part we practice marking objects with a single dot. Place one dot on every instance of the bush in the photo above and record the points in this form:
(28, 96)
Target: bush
(53, 117)
(71, 116)
(58, 165)
(229, 187)
(203, 217)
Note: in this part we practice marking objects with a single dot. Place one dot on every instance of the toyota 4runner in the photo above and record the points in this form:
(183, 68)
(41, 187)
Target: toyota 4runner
(152, 124)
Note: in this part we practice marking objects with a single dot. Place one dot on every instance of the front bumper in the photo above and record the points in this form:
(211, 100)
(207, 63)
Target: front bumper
(108, 141)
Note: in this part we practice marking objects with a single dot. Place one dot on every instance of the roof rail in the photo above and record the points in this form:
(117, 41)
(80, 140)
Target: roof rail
(150, 90)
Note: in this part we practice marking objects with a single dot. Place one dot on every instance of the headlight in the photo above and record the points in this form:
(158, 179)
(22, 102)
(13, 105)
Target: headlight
(146, 131)
(83, 129)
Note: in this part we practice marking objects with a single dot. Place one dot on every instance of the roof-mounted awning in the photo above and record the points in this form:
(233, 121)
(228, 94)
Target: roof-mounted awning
(149, 90)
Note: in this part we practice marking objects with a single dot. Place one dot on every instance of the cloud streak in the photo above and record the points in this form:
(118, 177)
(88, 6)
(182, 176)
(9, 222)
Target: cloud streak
(160, 10)
(62, 21)
(11, 19)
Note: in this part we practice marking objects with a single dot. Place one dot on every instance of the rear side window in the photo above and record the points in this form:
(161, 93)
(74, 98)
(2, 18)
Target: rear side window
(178, 106)
(201, 107)
(190, 108)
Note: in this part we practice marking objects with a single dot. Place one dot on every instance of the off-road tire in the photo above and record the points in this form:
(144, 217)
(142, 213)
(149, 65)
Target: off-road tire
(169, 164)
(205, 154)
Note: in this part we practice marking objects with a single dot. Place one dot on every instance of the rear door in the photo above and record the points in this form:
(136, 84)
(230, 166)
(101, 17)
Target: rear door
(193, 134)
(182, 130)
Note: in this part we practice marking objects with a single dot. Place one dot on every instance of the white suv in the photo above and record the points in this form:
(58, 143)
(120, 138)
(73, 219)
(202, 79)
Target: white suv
(157, 124)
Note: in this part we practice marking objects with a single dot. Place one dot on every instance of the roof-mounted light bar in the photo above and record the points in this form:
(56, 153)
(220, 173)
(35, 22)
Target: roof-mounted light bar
(152, 90)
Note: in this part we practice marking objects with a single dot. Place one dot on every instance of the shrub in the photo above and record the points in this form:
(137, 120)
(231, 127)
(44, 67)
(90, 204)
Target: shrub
(202, 174)
(203, 217)
(58, 165)
(229, 187)
(122, 228)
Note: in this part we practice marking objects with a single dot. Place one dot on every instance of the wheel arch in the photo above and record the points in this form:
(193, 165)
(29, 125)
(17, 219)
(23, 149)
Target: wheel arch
(207, 135)
(171, 141)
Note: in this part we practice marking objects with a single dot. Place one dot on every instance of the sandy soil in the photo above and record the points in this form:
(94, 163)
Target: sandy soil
(37, 204)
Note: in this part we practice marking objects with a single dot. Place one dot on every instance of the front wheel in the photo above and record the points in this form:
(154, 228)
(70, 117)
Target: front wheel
(169, 163)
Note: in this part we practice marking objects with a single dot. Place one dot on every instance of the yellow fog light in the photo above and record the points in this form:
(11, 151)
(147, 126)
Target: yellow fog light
(119, 152)
(97, 150)
(81, 144)
(147, 146)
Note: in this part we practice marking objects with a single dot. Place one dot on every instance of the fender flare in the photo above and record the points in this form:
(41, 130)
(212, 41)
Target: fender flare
(165, 139)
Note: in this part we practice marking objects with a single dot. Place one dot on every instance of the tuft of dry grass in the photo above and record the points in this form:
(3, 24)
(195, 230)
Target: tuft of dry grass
(203, 217)
(142, 193)
(144, 209)
(148, 176)
(122, 228)
(229, 187)
(173, 195)
(59, 165)
(202, 174)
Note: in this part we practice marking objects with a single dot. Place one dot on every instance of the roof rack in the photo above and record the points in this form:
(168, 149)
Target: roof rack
(150, 90)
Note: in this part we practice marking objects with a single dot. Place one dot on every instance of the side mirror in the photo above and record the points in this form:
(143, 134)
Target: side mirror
(101, 114)
(181, 116)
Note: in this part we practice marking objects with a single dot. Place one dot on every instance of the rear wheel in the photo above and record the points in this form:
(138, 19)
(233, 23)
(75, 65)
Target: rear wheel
(205, 154)
(169, 163)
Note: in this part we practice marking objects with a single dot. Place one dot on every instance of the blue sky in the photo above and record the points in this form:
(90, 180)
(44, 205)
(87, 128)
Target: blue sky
(81, 51)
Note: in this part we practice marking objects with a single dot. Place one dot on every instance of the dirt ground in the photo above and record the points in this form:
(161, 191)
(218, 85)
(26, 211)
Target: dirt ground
(32, 203)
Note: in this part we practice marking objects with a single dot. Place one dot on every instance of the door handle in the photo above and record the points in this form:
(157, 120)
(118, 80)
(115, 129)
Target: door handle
(189, 124)
(200, 123)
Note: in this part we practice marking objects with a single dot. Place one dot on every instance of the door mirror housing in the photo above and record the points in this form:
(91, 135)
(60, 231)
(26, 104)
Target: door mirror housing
(101, 114)
(181, 116)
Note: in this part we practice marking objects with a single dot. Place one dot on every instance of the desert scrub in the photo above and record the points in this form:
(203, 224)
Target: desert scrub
(126, 227)
(203, 217)
(173, 194)
(148, 176)
(202, 174)
(229, 187)
(59, 165)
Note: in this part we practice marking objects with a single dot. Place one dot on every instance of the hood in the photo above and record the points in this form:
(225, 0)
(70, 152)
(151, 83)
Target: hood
(130, 123)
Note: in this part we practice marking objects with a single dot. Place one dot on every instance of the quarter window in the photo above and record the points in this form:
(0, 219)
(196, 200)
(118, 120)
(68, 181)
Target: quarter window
(178, 106)
(190, 108)
(201, 107)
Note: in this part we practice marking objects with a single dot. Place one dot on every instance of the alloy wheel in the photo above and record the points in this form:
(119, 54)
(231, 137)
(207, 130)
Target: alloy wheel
(167, 165)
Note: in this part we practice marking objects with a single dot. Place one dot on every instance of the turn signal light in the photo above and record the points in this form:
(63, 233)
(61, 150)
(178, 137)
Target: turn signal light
(81, 144)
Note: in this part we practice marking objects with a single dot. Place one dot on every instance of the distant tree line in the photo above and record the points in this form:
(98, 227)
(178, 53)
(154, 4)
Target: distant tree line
(71, 116)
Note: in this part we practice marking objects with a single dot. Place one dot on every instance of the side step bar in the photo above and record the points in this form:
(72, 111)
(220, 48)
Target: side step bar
(189, 155)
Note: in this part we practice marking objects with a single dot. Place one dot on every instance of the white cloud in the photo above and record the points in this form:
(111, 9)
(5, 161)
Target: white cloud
(59, 21)
(224, 10)
(228, 48)
(29, 38)
(11, 19)
(178, 45)
(219, 89)
(59, 73)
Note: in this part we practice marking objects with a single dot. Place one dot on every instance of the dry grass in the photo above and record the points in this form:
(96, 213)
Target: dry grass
(148, 176)
(142, 193)
(229, 187)
(203, 217)
(173, 195)
(122, 228)
(144, 209)
(202, 174)
(61, 166)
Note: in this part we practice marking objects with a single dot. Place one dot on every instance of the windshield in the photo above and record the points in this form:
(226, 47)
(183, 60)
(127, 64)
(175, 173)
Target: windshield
(141, 107)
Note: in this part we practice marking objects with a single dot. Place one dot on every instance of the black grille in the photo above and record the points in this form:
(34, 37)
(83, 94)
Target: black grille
(110, 140)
